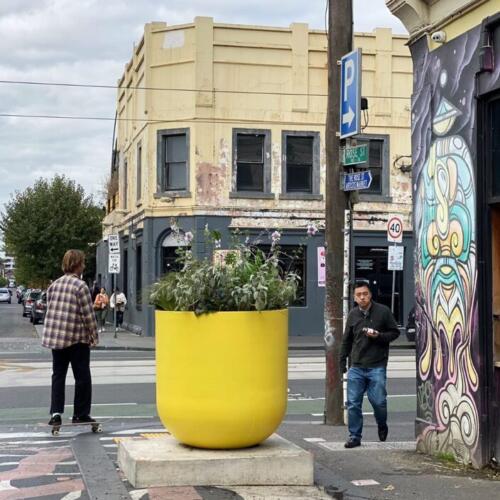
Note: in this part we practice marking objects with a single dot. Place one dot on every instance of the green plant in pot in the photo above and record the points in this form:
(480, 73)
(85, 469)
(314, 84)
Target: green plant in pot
(222, 343)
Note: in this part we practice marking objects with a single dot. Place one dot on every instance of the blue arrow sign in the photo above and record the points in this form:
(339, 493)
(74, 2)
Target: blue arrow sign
(350, 94)
(357, 180)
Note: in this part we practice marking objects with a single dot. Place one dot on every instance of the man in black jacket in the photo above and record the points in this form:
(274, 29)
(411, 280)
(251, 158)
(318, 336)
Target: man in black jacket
(370, 328)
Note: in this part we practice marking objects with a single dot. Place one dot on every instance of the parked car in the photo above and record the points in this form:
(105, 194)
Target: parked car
(411, 327)
(5, 295)
(38, 309)
(29, 299)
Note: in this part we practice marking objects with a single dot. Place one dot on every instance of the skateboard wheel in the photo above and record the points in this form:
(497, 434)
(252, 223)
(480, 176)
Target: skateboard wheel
(55, 432)
(96, 428)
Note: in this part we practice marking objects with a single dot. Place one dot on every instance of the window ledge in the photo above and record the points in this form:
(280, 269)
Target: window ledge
(138, 204)
(301, 196)
(172, 194)
(252, 194)
(379, 198)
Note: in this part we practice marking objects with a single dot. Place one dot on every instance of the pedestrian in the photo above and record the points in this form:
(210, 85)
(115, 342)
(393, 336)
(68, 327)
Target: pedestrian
(101, 304)
(369, 330)
(119, 301)
(70, 330)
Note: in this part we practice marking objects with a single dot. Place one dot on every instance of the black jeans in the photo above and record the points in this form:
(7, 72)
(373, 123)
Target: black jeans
(79, 357)
(119, 318)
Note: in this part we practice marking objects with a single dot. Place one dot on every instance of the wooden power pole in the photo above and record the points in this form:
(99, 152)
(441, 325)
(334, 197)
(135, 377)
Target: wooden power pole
(339, 43)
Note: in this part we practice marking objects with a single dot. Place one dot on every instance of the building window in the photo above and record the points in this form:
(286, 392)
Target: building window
(173, 160)
(495, 149)
(293, 258)
(138, 274)
(139, 172)
(300, 166)
(252, 161)
(378, 163)
(169, 257)
(125, 184)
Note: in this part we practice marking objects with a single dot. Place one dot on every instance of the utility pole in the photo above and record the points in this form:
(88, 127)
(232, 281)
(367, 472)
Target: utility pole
(339, 43)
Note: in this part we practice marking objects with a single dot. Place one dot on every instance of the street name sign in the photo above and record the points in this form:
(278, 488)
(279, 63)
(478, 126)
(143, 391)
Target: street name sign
(114, 263)
(395, 229)
(350, 94)
(114, 243)
(395, 258)
(355, 155)
(357, 180)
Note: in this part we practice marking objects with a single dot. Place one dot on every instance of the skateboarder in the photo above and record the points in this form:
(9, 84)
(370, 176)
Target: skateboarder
(70, 330)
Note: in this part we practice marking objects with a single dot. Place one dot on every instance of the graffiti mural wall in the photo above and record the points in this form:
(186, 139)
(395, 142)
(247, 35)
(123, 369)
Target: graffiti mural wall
(444, 142)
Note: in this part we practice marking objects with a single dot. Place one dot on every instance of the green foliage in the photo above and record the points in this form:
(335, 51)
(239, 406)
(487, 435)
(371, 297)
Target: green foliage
(246, 279)
(446, 457)
(42, 222)
(3, 281)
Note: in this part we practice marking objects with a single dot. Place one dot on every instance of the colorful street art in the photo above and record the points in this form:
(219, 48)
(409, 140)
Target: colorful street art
(446, 267)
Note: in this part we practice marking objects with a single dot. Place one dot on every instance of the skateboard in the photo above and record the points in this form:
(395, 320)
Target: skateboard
(95, 426)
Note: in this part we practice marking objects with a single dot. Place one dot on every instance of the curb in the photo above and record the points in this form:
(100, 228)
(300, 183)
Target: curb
(121, 348)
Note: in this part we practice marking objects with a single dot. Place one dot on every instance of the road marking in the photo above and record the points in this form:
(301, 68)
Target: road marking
(314, 440)
(372, 445)
(14, 435)
(365, 482)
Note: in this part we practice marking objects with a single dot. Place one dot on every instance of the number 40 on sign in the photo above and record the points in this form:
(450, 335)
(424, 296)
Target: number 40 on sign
(395, 229)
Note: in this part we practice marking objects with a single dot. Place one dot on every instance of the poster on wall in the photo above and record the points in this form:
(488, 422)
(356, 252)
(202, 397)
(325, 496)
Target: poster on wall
(321, 266)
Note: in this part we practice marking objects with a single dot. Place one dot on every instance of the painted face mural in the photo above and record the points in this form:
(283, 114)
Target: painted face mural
(446, 274)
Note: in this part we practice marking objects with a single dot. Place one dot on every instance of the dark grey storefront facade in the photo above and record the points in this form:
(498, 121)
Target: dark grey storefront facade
(144, 258)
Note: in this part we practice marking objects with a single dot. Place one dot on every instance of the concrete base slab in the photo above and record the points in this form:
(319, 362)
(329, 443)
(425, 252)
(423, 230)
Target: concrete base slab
(163, 461)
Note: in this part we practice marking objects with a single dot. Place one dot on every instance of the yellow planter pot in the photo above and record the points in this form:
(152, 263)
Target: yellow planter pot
(221, 378)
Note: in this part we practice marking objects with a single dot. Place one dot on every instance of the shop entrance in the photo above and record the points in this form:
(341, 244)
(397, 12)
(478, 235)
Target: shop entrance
(491, 229)
(371, 265)
(495, 282)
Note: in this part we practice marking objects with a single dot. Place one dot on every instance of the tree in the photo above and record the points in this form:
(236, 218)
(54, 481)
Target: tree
(42, 222)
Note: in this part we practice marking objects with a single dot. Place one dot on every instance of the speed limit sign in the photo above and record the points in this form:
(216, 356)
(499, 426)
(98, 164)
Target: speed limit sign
(395, 229)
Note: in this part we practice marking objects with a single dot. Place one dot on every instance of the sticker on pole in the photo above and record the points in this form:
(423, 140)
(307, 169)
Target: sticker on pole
(395, 229)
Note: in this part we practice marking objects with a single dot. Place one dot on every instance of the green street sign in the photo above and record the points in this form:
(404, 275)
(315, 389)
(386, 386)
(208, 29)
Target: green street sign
(355, 155)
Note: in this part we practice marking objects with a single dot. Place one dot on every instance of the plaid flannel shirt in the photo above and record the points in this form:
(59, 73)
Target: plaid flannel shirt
(70, 317)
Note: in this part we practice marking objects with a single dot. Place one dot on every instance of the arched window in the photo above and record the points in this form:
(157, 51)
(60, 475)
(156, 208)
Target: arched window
(169, 246)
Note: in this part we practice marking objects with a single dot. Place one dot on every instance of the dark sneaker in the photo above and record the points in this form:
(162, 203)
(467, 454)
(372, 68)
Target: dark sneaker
(83, 420)
(352, 443)
(382, 432)
(55, 420)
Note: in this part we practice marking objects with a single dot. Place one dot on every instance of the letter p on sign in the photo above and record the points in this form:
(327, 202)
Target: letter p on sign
(395, 229)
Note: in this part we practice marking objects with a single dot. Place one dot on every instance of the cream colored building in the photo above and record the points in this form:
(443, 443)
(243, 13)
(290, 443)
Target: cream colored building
(224, 124)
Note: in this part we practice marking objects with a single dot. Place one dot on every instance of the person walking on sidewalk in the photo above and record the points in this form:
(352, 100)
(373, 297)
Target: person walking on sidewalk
(119, 301)
(101, 304)
(369, 330)
(70, 330)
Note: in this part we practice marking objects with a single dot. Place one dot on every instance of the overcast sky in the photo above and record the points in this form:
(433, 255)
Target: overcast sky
(88, 42)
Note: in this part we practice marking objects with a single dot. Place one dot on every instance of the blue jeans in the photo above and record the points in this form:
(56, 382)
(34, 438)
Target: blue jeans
(372, 381)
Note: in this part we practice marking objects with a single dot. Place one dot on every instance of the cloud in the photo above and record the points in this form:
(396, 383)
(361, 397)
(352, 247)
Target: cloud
(89, 42)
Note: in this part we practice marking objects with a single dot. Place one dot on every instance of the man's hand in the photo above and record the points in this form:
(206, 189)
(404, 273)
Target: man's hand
(370, 332)
(94, 341)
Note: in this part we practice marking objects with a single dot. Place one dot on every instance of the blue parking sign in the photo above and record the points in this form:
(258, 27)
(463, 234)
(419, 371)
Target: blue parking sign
(350, 94)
